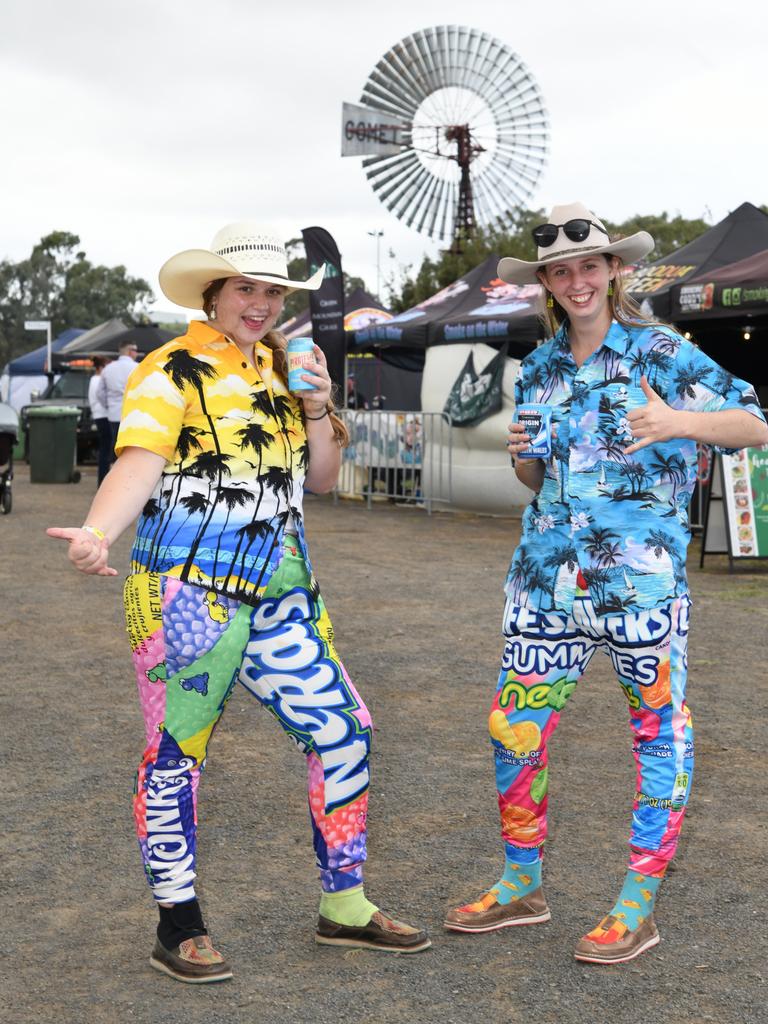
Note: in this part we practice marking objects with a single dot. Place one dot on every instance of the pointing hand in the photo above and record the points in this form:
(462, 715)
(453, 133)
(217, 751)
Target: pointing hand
(86, 552)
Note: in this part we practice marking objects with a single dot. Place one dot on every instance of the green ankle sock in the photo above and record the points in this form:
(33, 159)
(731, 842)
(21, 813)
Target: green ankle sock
(636, 899)
(519, 879)
(348, 907)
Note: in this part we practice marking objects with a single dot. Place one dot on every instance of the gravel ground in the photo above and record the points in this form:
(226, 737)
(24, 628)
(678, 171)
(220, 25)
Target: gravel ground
(416, 605)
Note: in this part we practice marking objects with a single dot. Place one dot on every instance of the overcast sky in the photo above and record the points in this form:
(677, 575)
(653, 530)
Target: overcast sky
(144, 126)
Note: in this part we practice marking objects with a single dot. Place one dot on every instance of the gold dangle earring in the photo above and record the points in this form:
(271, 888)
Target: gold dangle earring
(550, 302)
(610, 287)
(212, 314)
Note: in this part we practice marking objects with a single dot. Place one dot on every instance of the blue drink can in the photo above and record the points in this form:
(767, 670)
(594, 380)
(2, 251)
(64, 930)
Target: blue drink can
(537, 423)
(300, 352)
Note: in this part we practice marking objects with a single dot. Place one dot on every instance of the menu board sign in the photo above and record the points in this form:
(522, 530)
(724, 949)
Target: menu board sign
(745, 488)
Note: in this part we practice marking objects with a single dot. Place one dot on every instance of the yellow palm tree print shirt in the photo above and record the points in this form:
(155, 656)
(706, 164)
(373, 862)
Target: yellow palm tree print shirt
(236, 456)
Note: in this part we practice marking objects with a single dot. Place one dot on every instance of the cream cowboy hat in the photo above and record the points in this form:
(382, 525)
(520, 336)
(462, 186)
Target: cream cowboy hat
(243, 249)
(574, 231)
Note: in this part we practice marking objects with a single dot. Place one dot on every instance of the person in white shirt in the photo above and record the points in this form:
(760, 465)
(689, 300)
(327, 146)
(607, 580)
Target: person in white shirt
(112, 383)
(99, 417)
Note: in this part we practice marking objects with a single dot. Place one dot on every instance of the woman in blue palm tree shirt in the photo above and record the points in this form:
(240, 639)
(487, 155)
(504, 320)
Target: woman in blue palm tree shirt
(215, 452)
(601, 563)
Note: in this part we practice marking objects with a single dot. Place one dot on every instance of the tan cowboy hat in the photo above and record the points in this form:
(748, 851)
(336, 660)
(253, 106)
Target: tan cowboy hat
(243, 249)
(574, 231)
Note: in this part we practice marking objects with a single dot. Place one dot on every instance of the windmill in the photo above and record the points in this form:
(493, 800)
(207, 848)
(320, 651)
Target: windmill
(453, 130)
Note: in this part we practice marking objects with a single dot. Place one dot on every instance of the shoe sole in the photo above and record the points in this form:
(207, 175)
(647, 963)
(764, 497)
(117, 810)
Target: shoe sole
(359, 944)
(648, 944)
(469, 930)
(190, 980)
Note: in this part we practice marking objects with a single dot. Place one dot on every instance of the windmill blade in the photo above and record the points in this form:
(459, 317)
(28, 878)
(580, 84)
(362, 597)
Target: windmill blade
(447, 211)
(510, 181)
(397, 195)
(391, 96)
(388, 173)
(412, 60)
(425, 223)
(409, 206)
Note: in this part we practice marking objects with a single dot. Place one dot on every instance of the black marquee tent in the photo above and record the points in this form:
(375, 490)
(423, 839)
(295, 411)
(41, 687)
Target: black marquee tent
(725, 311)
(737, 290)
(742, 233)
(477, 307)
(689, 288)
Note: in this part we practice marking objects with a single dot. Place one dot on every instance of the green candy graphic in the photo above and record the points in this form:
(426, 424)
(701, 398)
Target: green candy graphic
(539, 785)
(559, 694)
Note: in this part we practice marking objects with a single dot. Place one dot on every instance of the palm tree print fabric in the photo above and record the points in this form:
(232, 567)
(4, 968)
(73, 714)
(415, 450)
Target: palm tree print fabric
(621, 520)
(237, 455)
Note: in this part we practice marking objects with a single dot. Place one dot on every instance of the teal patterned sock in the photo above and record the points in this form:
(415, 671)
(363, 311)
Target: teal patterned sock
(520, 876)
(636, 899)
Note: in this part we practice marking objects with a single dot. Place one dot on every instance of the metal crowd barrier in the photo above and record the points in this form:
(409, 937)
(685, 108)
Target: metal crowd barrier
(397, 456)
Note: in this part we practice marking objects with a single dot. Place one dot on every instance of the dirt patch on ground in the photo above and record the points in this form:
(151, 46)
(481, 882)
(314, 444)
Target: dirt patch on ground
(416, 604)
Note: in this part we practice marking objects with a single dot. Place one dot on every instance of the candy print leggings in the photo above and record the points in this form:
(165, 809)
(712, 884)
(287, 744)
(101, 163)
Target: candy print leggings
(544, 657)
(190, 647)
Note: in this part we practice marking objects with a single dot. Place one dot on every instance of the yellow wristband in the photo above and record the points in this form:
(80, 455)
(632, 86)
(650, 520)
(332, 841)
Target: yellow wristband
(99, 534)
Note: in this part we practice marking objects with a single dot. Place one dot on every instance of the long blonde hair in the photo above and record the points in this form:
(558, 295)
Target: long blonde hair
(279, 343)
(623, 307)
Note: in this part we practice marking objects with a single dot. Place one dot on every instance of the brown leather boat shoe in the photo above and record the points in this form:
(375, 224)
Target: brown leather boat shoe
(194, 961)
(611, 942)
(381, 932)
(487, 914)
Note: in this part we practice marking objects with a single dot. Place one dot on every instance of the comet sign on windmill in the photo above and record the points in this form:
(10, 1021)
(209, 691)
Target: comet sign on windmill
(453, 131)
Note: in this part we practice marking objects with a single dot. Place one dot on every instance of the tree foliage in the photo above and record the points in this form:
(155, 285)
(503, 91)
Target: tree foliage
(58, 283)
(298, 301)
(513, 238)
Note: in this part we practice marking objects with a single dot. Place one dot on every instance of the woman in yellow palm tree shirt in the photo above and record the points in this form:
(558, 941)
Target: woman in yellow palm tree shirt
(215, 453)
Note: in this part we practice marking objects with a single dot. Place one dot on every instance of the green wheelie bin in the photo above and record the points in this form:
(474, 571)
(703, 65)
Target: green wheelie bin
(53, 444)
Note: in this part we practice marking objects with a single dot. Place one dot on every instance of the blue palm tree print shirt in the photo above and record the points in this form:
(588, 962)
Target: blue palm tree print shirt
(620, 519)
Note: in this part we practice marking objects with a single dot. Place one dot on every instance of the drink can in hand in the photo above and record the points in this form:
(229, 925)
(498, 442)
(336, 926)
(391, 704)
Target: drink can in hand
(300, 352)
(537, 423)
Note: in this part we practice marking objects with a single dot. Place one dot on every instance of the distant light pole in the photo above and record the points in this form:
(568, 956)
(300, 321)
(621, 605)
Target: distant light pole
(377, 235)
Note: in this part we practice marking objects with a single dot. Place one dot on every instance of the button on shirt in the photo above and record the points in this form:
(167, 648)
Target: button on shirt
(112, 381)
(620, 519)
(236, 456)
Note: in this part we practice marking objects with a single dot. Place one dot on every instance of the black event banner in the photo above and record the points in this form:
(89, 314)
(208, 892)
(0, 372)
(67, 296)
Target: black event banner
(326, 305)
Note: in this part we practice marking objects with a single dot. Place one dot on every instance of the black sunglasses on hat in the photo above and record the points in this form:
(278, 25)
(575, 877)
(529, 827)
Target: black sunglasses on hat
(577, 230)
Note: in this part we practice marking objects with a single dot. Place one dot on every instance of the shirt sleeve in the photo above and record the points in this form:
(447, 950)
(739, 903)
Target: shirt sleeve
(698, 384)
(153, 408)
(101, 389)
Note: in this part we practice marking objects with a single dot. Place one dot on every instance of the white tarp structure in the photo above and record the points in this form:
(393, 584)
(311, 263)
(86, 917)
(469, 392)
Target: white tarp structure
(482, 476)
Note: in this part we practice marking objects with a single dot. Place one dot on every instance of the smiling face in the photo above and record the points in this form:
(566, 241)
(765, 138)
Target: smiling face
(580, 286)
(246, 310)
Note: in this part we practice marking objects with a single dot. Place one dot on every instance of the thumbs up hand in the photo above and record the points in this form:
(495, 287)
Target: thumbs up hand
(654, 421)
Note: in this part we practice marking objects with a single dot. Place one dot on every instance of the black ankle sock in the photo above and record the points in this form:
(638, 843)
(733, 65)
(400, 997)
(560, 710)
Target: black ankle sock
(180, 922)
